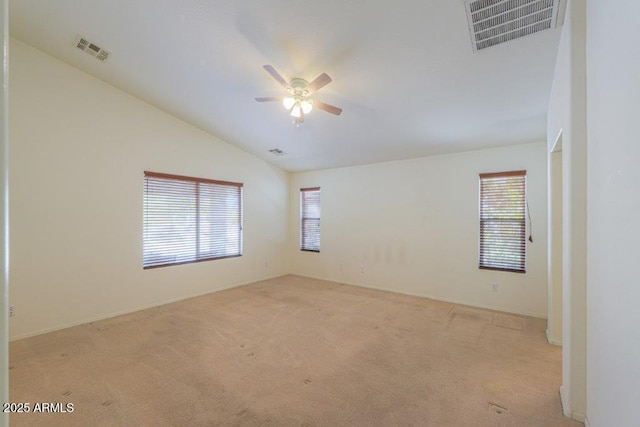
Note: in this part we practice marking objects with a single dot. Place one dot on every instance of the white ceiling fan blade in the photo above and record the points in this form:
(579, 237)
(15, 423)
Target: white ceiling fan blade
(327, 107)
(269, 98)
(269, 69)
(321, 81)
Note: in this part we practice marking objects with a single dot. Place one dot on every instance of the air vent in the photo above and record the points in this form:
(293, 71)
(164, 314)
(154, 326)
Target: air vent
(277, 152)
(492, 22)
(91, 48)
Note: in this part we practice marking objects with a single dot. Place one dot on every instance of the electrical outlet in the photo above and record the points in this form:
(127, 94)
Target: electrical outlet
(12, 310)
(340, 267)
(494, 287)
(266, 264)
(361, 269)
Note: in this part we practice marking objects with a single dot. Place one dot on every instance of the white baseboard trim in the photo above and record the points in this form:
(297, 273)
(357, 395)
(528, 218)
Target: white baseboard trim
(134, 309)
(197, 294)
(565, 407)
(566, 410)
(424, 295)
(550, 340)
(578, 417)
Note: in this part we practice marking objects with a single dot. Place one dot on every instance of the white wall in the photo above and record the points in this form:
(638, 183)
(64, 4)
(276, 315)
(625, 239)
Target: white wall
(79, 148)
(412, 227)
(567, 113)
(554, 273)
(4, 209)
(613, 283)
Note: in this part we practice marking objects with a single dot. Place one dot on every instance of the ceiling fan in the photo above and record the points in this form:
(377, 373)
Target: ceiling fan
(298, 103)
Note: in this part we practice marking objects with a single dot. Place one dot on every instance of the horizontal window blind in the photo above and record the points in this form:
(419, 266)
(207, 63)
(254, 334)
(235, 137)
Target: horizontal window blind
(310, 219)
(503, 221)
(190, 219)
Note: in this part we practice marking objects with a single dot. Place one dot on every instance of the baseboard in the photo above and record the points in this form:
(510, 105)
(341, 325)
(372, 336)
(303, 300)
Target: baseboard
(184, 297)
(437, 298)
(134, 309)
(566, 410)
(551, 340)
(563, 402)
(578, 417)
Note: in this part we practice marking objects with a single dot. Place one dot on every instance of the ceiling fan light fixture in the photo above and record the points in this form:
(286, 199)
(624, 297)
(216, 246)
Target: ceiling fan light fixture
(296, 110)
(288, 102)
(306, 106)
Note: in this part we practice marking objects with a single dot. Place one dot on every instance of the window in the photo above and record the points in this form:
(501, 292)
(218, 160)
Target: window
(503, 221)
(190, 219)
(310, 219)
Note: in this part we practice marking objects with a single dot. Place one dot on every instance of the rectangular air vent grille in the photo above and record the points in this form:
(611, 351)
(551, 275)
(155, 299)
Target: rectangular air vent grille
(91, 48)
(492, 22)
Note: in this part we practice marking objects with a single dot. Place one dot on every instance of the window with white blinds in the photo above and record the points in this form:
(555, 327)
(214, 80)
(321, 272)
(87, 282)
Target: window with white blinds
(310, 219)
(503, 221)
(190, 219)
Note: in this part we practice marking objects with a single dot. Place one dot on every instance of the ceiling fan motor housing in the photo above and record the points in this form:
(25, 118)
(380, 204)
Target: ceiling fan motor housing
(298, 87)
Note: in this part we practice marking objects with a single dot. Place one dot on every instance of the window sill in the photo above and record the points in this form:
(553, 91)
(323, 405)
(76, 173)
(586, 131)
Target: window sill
(190, 262)
(510, 270)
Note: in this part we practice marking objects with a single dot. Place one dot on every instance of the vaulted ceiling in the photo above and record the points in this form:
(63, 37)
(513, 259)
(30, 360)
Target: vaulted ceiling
(404, 72)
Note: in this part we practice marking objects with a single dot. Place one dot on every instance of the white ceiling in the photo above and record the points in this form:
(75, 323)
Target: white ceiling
(404, 72)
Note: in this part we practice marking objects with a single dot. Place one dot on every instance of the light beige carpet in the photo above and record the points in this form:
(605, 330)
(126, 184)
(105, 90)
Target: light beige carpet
(294, 351)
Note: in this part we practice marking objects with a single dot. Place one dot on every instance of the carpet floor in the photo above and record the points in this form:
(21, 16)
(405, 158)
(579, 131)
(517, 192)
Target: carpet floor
(294, 351)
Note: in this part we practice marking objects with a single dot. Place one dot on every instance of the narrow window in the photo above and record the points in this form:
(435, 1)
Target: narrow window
(190, 219)
(503, 221)
(310, 219)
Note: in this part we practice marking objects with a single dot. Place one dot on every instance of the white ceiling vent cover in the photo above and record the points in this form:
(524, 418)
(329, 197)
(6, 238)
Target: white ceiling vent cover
(91, 48)
(492, 22)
